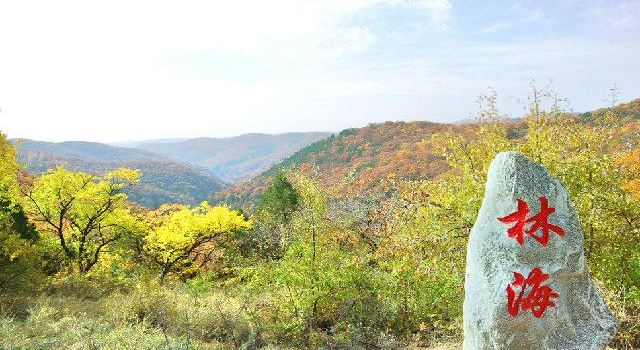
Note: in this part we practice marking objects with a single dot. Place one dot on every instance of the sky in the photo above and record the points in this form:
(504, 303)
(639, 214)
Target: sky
(113, 71)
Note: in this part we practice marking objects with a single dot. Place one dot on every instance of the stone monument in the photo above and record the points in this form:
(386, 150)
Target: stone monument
(527, 283)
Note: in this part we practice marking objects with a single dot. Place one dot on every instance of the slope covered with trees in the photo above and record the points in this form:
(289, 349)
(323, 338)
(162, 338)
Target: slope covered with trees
(356, 160)
(163, 180)
(88, 151)
(365, 159)
(235, 158)
(627, 112)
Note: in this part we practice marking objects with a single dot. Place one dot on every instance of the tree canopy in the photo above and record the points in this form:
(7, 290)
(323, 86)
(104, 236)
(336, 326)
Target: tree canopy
(177, 243)
(85, 213)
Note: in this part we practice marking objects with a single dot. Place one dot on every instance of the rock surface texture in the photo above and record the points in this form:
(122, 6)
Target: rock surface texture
(527, 283)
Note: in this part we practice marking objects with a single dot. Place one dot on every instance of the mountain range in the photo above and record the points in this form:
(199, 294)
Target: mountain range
(237, 158)
(163, 180)
(188, 171)
(179, 171)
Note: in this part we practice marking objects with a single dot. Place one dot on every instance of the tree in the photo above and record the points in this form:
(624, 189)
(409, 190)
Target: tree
(322, 280)
(275, 210)
(280, 200)
(177, 242)
(84, 213)
(19, 268)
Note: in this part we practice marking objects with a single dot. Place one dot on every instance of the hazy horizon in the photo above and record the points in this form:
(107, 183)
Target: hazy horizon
(133, 143)
(131, 71)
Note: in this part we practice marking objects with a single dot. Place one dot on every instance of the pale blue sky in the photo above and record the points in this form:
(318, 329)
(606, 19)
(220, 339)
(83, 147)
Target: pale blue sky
(125, 70)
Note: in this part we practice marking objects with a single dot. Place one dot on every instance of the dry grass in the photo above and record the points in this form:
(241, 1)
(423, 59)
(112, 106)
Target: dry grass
(442, 346)
(450, 346)
(457, 346)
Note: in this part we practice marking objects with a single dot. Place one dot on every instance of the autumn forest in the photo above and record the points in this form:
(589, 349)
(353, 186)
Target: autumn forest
(357, 240)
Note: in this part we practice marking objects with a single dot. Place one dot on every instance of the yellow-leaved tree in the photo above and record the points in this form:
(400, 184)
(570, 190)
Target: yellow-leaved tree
(19, 270)
(84, 213)
(179, 242)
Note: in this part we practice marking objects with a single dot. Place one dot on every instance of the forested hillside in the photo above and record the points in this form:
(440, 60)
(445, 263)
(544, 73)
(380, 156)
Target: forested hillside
(355, 242)
(163, 180)
(82, 150)
(235, 158)
(364, 160)
(357, 160)
(626, 112)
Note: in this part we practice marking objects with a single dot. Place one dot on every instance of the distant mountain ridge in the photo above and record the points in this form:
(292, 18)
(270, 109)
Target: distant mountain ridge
(135, 143)
(236, 158)
(85, 150)
(163, 180)
(173, 170)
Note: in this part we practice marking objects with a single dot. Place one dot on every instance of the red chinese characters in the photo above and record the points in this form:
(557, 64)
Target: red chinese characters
(540, 221)
(538, 298)
(529, 293)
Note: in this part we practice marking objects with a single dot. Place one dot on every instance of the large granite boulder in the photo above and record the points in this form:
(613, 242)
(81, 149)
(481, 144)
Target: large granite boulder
(527, 283)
